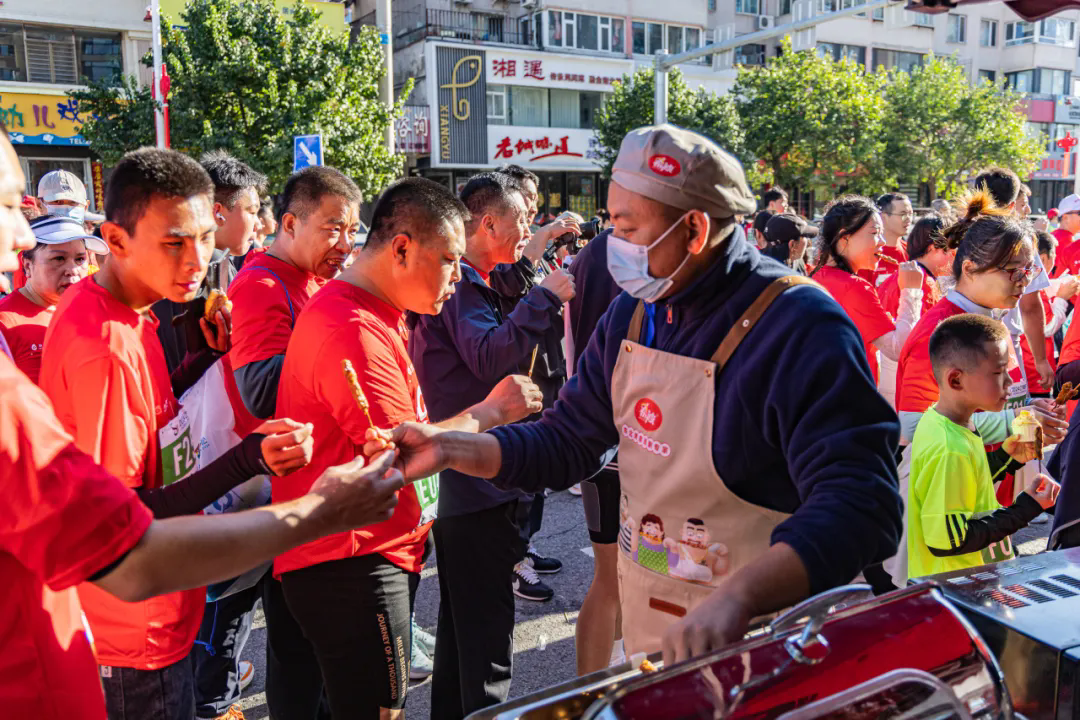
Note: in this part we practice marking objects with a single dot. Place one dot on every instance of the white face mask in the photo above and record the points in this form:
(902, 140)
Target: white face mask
(629, 265)
(75, 212)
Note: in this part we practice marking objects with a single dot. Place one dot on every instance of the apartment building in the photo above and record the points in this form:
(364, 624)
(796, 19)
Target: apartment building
(988, 39)
(519, 81)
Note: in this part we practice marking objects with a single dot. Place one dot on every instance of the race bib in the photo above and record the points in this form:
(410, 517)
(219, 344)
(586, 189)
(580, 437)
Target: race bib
(179, 455)
(427, 494)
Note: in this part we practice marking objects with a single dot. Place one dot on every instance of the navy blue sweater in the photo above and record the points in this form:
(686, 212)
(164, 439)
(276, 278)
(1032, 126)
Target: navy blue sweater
(462, 353)
(799, 425)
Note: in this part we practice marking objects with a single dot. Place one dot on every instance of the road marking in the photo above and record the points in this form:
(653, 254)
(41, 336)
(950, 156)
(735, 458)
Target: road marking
(588, 551)
(543, 643)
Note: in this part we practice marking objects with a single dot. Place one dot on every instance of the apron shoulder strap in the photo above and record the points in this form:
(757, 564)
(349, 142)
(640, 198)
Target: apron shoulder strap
(753, 313)
(636, 320)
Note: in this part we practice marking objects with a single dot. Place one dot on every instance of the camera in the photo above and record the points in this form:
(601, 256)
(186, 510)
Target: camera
(589, 230)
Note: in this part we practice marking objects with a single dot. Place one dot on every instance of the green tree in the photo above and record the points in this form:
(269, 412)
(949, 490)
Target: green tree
(813, 122)
(630, 106)
(247, 78)
(939, 128)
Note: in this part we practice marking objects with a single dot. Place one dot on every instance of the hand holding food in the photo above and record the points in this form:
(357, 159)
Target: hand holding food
(1052, 418)
(909, 276)
(1044, 490)
(216, 322)
(215, 302)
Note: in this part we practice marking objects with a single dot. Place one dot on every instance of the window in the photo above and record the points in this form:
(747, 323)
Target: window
(957, 29)
(50, 56)
(638, 31)
(889, 59)
(555, 28)
(99, 56)
(751, 7)
(574, 108)
(988, 33)
(752, 54)
(675, 39)
(988, 75)
(655, 37)
(588, 32)
(1023, 81)
(1055, 31)
(784, 7)
(12, 53)
(590, 103)
(1018, 33)
(838, 52)
(1053, 82)
(924, 20)
(528, 106)
(712, 5)
(496, 104)
(879, 14)
(618, 35)
(693, 38)
(585, 32)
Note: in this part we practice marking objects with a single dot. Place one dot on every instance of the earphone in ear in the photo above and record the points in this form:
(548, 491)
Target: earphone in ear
(220, 217)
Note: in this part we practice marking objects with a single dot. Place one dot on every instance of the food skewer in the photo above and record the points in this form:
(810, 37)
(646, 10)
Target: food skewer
(887, 259)
(1067, 393)
(532, 363)
(357, 391)
(1039, 447)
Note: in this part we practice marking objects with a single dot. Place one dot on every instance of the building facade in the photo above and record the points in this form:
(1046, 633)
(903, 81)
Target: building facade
(48, 47)
(988, 39)
(520, 82)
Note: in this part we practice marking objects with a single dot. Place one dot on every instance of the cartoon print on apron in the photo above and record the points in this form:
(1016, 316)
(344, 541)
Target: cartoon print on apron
(682, 531)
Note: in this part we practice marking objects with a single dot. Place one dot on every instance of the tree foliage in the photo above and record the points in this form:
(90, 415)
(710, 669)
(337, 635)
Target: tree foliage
(247, 78)
(631, 106)
(939, 128)
(813, 122)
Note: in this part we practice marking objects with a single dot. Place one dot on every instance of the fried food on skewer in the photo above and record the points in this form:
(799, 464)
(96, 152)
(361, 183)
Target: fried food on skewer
(215, 301)
(357, 391)
(532, 363)
(887, 259)
(1067, 393)
(1039, 447)
(647, 667)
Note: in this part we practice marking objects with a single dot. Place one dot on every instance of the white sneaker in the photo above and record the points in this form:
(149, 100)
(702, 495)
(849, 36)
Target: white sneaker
(1042, 519)
(575, 490)
(247, 674)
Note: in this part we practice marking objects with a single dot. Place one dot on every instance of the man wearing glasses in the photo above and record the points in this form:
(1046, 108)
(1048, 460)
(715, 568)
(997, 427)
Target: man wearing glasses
(897, 218)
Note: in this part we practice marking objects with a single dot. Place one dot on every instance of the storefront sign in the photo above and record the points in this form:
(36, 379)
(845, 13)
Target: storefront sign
(99, 186)
(507, 67)
(542, 148)
(1067, 110)
(414, 130)
(39, 119)
(462, 102)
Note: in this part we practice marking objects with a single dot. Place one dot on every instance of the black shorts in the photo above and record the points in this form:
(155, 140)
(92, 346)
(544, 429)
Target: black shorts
(600, 497)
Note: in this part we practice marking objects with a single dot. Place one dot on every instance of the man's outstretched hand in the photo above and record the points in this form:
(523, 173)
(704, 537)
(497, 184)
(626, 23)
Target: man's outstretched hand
(418, 454)
(356, 495)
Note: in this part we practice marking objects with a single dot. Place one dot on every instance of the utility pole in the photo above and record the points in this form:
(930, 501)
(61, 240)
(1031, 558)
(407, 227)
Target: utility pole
(159, 111)
(384, 25)
(664, 62)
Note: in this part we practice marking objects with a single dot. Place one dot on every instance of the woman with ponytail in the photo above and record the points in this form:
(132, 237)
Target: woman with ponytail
(850, 241)
(995, 261)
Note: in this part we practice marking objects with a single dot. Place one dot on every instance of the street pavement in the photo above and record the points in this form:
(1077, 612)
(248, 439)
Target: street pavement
(544, 635)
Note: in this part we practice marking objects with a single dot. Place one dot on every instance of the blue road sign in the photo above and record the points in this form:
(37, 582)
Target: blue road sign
(307, 151)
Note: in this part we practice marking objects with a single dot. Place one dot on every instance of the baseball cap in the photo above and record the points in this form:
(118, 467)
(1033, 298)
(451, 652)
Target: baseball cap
(682, 169)
(787, 227)
(762, 219)
(54, 230)
(61, 185)
(1069, 204)
(1051, 213)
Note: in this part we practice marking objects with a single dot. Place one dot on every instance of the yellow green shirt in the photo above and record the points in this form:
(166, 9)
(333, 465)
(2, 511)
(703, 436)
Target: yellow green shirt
(949, 485)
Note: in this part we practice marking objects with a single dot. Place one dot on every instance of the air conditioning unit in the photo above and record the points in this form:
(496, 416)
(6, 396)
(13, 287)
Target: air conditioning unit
(463, 2)
(528, 4)
(765, 22)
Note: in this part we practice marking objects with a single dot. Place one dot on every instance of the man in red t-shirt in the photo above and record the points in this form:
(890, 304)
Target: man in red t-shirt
(319, 219)
(64, 521)
(897, 217)
(1068, 252)
(104, 370)
(352, 593)
(59, 259)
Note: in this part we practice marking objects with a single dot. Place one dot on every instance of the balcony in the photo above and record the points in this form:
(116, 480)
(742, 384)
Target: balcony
(475, 27)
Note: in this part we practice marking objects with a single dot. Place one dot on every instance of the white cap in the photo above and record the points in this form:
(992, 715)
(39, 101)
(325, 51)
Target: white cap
(61, 185)
(54, 230)
(1069, 204)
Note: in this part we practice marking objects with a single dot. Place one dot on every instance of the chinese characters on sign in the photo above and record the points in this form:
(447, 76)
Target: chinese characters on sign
(99, 185)
(503, 68)
(507, 149)
(41, 119)
(414, 130)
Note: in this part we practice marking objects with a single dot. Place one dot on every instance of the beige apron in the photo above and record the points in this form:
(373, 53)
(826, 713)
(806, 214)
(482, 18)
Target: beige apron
(682, 532)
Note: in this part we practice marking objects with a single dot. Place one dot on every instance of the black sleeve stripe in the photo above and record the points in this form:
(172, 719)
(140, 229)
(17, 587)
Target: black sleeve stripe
(958, 526)
(948, 527)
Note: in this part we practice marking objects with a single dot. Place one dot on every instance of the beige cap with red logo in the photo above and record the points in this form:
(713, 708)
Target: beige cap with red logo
(682, 169)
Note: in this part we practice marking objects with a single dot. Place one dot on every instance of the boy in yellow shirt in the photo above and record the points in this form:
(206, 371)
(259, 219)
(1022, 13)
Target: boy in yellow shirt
(953, 519)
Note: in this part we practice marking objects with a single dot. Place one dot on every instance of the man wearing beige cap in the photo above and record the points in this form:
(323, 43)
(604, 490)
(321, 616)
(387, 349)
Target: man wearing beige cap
(64, 194)
(755, 453)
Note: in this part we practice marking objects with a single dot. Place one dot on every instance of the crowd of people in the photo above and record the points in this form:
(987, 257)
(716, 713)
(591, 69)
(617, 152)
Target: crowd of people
(211, 401)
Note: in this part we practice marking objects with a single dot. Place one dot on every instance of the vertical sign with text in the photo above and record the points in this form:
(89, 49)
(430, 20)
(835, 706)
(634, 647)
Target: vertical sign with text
(462, 106)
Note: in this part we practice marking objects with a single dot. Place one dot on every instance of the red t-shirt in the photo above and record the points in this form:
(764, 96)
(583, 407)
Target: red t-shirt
(62, 520)
(1065, 239)
(1068, 260)
(104, 371)
(889, 292)
(860, 301)
(267, 296)
(23, 323)
(344, 321)
(1034, 384)
(1070, 352)
(916, 388)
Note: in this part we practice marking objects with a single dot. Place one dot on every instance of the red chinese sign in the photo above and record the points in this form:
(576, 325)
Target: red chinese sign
(550, 148)
(99, 186)
(1067, 143)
